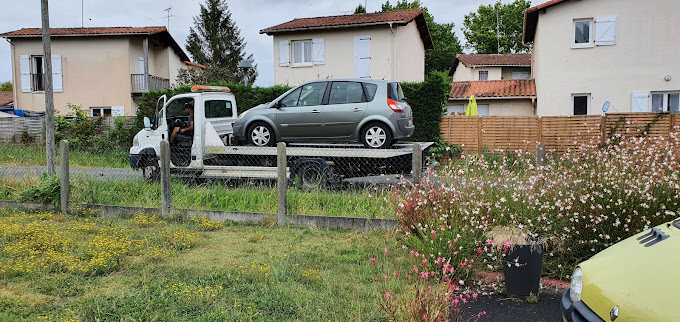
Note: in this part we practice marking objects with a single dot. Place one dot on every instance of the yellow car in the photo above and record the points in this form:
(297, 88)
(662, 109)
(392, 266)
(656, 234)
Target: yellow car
(637, 279)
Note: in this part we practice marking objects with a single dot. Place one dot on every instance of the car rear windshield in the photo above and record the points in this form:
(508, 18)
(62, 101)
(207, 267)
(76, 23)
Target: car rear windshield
(394, 92)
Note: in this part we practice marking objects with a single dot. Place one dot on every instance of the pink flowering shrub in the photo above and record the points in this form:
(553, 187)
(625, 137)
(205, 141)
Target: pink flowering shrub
(582, 202)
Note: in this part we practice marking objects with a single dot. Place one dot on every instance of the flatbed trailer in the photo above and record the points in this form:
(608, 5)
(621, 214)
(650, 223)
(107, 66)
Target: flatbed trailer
(312, 164)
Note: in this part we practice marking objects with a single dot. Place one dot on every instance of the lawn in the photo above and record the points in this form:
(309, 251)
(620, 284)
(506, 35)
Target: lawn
(58, 267)
(36, 155)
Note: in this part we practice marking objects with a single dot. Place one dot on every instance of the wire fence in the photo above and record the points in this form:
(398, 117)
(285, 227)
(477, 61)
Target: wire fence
(338, 180)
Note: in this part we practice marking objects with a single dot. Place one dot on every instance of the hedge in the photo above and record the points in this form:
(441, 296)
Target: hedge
(427, 100)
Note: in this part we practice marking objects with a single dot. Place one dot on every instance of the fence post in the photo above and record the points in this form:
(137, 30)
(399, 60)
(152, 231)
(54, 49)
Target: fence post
(540, 130)
(282, 182)
(603, 129)
(166, 195)
(417, 163)
(64, 178)
(540, 155)
(479, 134)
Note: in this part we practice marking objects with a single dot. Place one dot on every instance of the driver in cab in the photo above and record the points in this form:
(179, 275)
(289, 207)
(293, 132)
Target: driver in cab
(189, 130)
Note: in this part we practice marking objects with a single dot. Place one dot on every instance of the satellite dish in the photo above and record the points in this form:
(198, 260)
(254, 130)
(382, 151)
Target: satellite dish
(605, 107)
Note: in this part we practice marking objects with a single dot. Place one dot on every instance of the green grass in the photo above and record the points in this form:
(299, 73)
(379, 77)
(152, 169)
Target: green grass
(36, 155)
(233, 274)
(215, 196)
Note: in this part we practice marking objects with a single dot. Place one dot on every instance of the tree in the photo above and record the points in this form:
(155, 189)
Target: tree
(215, 41)
(360, 9)
(6, 87)
(497, 28)
(446, 43)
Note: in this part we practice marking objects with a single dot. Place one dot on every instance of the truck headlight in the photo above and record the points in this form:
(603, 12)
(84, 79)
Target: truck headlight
(135, 141)
(576, 285)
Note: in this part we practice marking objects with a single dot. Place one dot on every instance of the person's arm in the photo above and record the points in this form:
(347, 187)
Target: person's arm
(190, 128)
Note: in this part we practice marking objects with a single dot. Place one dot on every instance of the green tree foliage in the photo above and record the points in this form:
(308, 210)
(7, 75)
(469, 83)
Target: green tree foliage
(360, 9)
(497, 28)
(427, 99)
(446, 43)
(6, 87)
(215, 41)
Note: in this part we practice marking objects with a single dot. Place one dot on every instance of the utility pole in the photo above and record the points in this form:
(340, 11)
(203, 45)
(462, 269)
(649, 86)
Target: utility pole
(49, 94)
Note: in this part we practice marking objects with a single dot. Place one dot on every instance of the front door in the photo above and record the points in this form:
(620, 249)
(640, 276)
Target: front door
(299, 113)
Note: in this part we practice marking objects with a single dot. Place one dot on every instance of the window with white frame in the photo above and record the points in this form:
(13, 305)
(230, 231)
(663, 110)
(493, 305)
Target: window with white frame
(666, 102)
(302, 52)
(483, 75)
(580, 104)
(100, 111)
(37, 74)
(583, 33)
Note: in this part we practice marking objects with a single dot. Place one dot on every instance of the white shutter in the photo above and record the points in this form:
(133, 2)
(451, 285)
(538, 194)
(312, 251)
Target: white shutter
(117, 110)
(284, 53)
(319, 51)
(362, 56)
(57, 83)
(605, 31)
(639, 102)
(25, 70)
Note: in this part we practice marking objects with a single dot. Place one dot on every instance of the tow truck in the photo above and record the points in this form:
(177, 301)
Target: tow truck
(210, 151)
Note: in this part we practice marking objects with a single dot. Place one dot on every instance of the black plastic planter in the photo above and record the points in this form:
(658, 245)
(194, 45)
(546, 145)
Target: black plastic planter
(524, 276)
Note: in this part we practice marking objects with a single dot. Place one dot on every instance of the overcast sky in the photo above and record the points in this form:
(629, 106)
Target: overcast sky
(250, 16)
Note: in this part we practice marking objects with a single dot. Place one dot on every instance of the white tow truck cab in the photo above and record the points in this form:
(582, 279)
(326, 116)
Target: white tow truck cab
(209, 151)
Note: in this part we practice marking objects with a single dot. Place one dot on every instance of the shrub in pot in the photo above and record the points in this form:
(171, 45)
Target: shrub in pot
(522, 258)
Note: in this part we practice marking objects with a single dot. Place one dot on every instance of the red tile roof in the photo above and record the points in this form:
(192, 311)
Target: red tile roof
(195, 65)
(494, 89)
(91, 31)
(6, 98)
(162, 33)
(531, 19)
(399, 17)
(520, 60)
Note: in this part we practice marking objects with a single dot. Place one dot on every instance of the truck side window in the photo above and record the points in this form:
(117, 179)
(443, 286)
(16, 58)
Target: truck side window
(176, 107)
(218, 108)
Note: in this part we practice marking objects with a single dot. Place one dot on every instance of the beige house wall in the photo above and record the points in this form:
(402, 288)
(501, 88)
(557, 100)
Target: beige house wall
(502, 107)
(91, 73)
(507, 71)
(645, 51)
(466, 74)
(399, 56)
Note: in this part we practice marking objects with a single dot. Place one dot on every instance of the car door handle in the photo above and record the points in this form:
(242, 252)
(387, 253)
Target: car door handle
(356, 109)
(316, 111)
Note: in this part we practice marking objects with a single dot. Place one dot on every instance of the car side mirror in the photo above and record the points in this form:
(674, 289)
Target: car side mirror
(277, 104)
(147, 123)
(404, 99)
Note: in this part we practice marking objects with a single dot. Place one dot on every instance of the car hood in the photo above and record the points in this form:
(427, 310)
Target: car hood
(261, 106)
(639, 276)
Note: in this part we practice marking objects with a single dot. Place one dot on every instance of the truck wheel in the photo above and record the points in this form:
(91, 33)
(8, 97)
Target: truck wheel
(261, 134)
(376, 136)
(150, 169)
(312, 175)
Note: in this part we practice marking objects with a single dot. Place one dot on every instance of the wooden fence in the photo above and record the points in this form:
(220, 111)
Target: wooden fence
(13, 128)
(474, 134)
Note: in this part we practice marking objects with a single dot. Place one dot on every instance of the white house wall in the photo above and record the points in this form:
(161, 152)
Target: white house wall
(339, 55)
(645, 51)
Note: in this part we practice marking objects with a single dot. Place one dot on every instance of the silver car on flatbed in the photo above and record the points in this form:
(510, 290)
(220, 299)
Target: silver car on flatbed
(372, 112)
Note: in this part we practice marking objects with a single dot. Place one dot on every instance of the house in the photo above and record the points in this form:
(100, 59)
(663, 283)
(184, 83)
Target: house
(104, 69)
(501, 84)
(383, 45)
(586, 53)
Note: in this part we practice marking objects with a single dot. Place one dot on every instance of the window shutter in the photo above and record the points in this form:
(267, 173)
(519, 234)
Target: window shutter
(639, 102)
(25, 70)
(57, 83)
(117, 110)
(284, 53)
(319, 51)
(605, 31)
(362, 56)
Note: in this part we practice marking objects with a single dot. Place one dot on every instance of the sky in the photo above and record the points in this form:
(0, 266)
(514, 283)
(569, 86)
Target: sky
(250, 16)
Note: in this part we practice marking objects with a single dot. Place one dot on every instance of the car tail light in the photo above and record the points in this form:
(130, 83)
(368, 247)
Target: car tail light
(395, 106)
